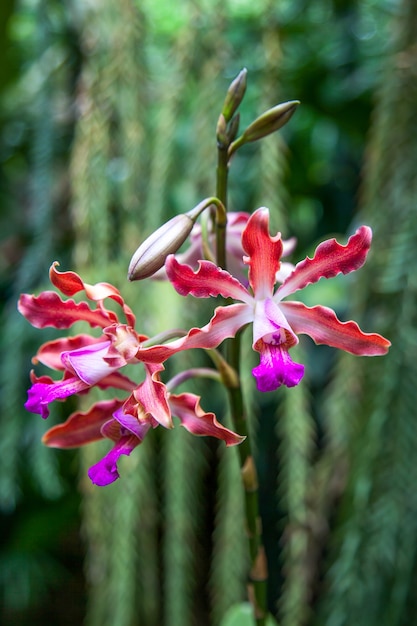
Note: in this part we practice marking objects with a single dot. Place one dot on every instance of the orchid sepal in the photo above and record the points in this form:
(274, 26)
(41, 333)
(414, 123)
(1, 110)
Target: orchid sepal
(208, 280)
(186, 406)
(49, 310)
(330, 259)
(70, 283)
(82, 427)
(263, 253)
(323, 326)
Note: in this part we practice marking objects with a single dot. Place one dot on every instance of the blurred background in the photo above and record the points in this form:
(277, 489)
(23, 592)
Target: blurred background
(108, 113)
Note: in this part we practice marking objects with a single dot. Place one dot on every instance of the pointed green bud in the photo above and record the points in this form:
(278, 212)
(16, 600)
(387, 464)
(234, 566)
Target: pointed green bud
(221, 132)
(270, 121)
(151, 254)
(265, 124)
(234, 95)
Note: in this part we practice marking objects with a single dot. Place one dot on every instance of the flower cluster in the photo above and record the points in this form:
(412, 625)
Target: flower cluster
(87, 361)
(258, 298)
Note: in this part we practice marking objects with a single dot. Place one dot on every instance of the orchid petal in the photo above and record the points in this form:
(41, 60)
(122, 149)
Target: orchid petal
(329, 260)
(105, 471)
(288, 246)
(152, 398)
(284, 271)
(226, 322)
(264, 253)
(208, 280)
(48, 309)
(81, 427)
(186, 407)
(88, 362)
(323, 326)
(129, 421)
(50, 352)
(276, 368)
(70, 283)
(41, 394)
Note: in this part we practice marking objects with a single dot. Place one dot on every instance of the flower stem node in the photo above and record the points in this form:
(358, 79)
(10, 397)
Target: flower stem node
(249, 475)
(167, 239)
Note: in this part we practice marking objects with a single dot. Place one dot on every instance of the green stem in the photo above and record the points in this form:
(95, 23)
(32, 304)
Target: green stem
(221, 192)
(258, 568)
(258, 572)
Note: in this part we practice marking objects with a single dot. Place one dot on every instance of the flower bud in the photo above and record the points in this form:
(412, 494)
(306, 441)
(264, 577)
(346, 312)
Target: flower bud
(265, 124)
(234, 95)
(151, 254)
(221, 132)
(233, 128)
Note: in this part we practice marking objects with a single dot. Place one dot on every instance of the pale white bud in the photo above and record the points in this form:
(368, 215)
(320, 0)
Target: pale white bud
(151, 254)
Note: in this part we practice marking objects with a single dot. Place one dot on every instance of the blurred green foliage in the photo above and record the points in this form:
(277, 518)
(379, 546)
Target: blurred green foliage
(107, 128)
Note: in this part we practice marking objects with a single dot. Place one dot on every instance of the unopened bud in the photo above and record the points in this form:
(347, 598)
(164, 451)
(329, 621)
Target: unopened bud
(233, 128)
(151, 254)
(267, 123)
(234, 95)
(221, 132)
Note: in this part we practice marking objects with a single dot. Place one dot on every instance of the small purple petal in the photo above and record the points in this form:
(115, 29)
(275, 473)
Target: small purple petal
(276, 368)
(131, 423)
(105, 471)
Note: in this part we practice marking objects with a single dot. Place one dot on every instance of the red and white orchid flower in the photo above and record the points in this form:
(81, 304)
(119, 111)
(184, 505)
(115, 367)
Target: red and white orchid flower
(276, 323)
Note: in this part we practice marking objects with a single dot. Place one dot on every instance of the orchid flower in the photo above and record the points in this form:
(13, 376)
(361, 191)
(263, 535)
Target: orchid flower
(236, 222)
(276, 323)
(88, 361)
(126, 423)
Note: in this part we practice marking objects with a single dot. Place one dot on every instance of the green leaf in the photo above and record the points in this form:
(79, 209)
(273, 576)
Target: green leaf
(242, 615)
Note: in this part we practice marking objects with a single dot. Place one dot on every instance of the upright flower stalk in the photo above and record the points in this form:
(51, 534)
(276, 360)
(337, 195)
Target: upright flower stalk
(236, 258)
(258, 567)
